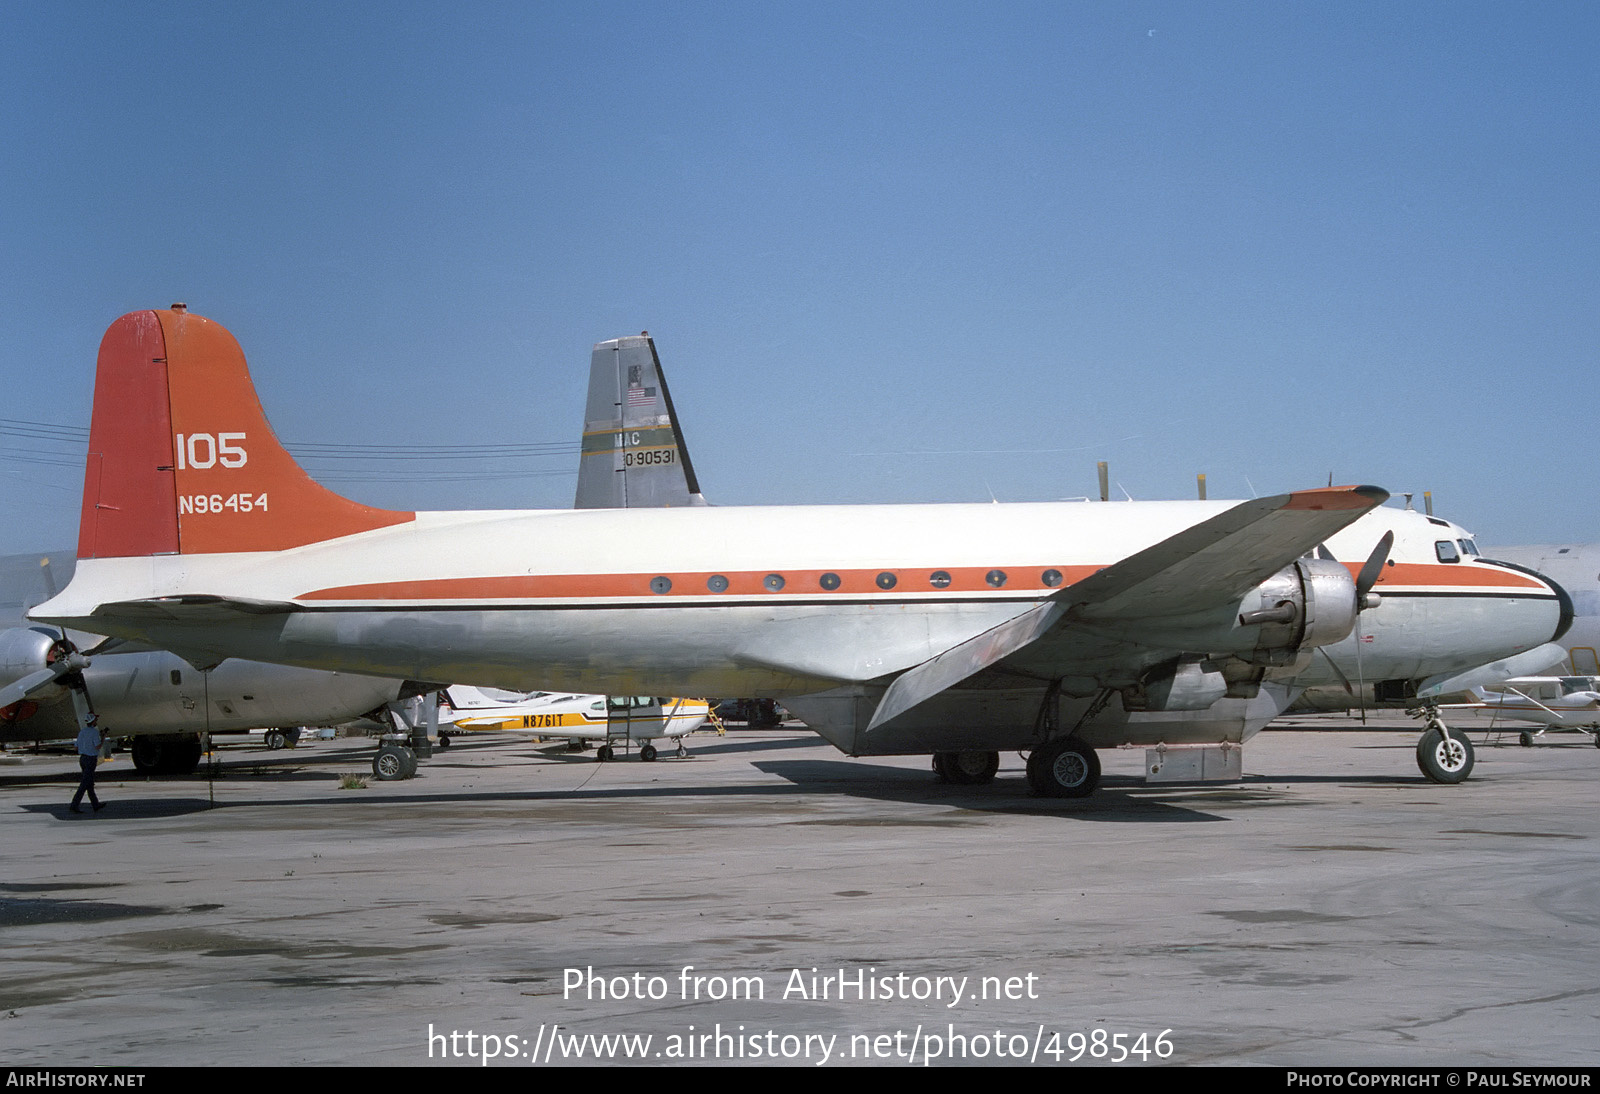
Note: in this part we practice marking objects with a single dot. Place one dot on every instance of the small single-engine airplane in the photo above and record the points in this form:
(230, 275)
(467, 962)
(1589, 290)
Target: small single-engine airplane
(576, 719)
(1053, 628)
(1570, 703)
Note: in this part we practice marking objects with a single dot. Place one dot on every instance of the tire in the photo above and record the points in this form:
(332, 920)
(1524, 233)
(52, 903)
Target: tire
(1445, 760)
(183, 757)
(147, 755)
(410, 755)
(1064, 768)
(970, 768)
(275, 739)
(389, 765)
(1525, 739)
(444, 741)
(603, 754)
(648, 753)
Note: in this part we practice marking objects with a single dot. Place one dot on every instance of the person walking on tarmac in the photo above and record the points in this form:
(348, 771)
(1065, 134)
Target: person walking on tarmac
(89, 742)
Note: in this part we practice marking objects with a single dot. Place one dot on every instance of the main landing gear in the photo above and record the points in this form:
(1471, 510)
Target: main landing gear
(973, 768)
(1443, 757)
(1065, 767)
(394, 761)
(399, 750)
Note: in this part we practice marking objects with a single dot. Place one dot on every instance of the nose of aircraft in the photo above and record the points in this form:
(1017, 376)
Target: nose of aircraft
(1565, 611)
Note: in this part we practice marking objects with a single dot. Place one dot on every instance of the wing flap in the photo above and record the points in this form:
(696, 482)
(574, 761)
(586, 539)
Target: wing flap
(965, 660)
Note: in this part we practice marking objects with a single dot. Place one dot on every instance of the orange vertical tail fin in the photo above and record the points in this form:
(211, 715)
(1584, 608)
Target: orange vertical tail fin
(181, 458)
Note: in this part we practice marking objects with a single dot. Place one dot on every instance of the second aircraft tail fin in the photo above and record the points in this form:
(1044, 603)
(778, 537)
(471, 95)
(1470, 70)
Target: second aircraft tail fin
(634, 455)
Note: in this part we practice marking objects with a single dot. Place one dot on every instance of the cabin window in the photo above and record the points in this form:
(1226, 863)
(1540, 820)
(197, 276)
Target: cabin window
(717, 583)
(939, 579)
(1051, 578)
(661, 584)
(177, 677)
(995, 578)
(829, 582)
(886, 580)
(1446, 551)
(772, 583)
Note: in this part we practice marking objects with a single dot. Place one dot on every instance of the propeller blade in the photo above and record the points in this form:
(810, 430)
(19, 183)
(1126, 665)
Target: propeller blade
(1372, 570)
(27, 685)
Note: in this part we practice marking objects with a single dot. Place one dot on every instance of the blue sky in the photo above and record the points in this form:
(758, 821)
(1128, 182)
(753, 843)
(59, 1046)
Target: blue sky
(889, 252)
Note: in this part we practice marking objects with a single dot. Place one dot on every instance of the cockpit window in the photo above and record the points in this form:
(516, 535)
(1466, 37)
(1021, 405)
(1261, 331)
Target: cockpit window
(1469, 547)
(1446, 551)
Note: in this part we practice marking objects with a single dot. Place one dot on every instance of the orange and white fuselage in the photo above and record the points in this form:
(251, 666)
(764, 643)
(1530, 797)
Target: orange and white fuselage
(202, 535)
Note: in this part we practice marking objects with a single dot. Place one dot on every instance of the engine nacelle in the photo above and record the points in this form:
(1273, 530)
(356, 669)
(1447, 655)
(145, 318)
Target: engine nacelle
(25, 650)
(1310, 603)
(1305, 605)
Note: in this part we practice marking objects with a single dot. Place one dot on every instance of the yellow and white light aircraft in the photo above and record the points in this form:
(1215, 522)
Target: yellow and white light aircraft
(1567, 703)
(1051, 628)
(574, 718)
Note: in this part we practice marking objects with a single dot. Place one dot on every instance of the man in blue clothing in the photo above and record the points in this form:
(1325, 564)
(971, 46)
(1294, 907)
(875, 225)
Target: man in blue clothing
(89, 742)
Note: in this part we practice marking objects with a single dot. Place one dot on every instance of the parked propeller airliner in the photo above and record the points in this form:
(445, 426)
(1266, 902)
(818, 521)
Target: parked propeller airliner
(1052, 628)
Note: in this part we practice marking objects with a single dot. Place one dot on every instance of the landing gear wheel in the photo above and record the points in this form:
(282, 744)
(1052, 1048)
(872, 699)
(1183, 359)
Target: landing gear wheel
(394, 762)
(971, 768)
(1445, 759)
(275, 739)
(1064, 768)
(647, 753)
(444, 741)
(603, 754)
(1525, 739)
(147, 755)
(684, 751)
(180, 757)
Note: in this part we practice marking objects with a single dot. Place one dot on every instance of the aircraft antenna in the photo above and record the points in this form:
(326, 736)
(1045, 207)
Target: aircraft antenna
(1105, 481)
(1200, 485)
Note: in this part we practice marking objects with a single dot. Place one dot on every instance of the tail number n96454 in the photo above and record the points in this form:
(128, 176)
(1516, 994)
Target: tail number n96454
(220, 503)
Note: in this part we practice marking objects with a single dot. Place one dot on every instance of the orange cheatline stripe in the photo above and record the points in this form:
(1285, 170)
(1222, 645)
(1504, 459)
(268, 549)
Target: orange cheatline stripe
(1447, 575)
(857, 582)
(746, 583)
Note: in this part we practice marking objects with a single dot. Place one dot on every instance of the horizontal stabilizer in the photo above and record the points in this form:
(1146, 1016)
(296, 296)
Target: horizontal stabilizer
(192, 609)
